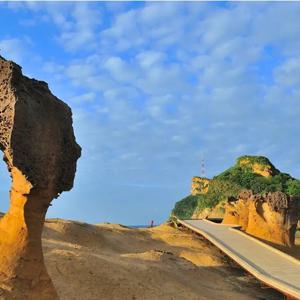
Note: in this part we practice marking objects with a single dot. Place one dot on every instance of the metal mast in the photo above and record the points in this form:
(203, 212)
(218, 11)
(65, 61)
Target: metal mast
(202, 167)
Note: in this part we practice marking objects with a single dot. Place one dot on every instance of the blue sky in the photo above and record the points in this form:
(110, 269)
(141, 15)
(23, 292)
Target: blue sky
(156, 86)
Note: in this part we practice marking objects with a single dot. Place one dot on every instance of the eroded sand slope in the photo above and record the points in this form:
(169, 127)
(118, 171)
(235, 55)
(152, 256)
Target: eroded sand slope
(113, 262)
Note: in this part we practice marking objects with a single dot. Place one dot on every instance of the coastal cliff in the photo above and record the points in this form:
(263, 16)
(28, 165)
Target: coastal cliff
(256, 173)
(200, 185)
(271, 216)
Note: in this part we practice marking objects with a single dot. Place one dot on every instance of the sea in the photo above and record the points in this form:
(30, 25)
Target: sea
(140, 226)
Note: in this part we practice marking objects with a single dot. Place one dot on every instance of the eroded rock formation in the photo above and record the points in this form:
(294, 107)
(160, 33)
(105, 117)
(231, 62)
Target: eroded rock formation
(37, 139)
(265, 168)
(216, 212)
(272, 217)
(200, 185)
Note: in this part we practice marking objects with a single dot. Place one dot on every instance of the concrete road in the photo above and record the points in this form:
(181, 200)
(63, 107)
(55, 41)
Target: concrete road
(266, 263)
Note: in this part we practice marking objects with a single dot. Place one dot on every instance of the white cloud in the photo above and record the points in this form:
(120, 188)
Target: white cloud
(80, 71)
(78, 22)
(81, 35)
(12, 49)
(163, 83)
(147, 59)
(119, 69)
(84, 98)
(288, 74)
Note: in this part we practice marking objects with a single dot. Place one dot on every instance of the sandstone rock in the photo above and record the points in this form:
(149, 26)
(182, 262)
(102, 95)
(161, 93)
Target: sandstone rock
(265, 169)
(37, 139)
(200, 185)
(272, 217)
(216, 212)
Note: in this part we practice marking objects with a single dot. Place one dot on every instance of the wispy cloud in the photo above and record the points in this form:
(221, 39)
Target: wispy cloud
(155, 86)
(12, 48)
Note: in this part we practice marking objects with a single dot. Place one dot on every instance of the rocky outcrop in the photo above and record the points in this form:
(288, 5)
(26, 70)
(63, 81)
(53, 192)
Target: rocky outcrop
(216, 212)
(272, 216)
(200, 185)
(37, 139)
(258, 165)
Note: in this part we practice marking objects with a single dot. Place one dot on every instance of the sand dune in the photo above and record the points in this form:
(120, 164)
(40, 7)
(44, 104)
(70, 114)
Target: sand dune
(108, 261)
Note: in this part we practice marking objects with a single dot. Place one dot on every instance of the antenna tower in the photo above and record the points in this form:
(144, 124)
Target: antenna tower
(202, 167)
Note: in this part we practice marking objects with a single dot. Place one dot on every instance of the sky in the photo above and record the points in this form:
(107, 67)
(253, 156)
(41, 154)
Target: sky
(156, 87)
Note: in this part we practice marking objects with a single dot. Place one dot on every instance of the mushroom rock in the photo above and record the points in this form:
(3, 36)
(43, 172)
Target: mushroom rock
(38, 142)
(272, 216)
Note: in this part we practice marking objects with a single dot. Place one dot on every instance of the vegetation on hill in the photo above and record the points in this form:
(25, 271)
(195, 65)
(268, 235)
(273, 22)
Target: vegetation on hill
(233, 180)
(261, 160)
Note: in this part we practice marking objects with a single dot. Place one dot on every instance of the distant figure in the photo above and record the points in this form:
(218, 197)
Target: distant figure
(152, 224)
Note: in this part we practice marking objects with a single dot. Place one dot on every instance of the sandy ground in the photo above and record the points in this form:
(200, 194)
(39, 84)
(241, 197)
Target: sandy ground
(93, 262)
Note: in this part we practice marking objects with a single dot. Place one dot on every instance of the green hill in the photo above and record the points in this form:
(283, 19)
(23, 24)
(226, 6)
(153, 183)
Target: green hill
(256, 173)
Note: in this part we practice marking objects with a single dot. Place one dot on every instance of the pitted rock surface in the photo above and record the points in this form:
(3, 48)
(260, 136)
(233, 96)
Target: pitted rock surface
(272, 216)
(36, 131)
(38, 142)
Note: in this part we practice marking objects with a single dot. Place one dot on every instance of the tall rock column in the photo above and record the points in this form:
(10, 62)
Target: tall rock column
(37, 139)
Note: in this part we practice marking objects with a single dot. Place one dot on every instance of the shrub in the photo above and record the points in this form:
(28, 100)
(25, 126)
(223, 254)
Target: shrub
(185, 208)
(293, 187)
(232, 181)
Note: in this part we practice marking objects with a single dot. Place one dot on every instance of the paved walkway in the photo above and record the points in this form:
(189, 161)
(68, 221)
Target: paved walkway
(266, 263)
